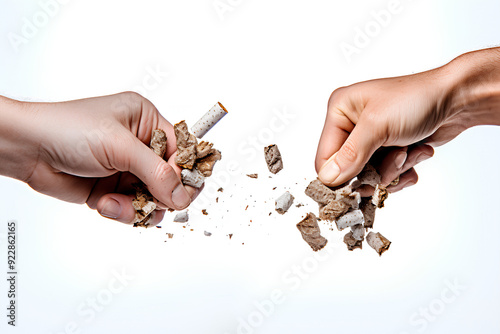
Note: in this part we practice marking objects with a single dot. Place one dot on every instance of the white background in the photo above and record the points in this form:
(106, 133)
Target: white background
(260, 58)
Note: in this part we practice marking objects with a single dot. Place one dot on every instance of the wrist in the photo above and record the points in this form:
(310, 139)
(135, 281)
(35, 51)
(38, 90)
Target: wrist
(18, 150)
(474, 89)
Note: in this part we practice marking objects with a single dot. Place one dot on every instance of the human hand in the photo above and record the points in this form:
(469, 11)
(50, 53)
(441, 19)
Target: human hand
(92, 151)
(401, 119)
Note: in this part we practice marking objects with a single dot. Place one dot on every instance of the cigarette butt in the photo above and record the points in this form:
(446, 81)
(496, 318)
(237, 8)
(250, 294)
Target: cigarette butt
(200, 128)
(192, 177)
(378, 242)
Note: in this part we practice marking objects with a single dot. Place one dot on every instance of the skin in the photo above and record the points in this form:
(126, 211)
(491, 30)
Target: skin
(396, 122)
(92, 151)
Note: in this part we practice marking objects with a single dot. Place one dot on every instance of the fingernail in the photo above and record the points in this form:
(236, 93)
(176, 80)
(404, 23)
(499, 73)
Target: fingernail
(112, 209)
(330, 172)
(400, 159)
(181, 197)
(422, 157)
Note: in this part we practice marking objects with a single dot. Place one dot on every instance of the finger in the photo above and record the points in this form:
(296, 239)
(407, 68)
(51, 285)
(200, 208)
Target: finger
(392, 165)
(156, 217)
(103, 186)
(416, 155)
(160, 177)
(117, 206)
(407, 179)
(354, 153)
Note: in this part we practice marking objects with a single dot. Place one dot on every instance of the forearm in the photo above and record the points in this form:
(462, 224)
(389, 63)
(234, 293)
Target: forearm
(18, 152)
(475, 92)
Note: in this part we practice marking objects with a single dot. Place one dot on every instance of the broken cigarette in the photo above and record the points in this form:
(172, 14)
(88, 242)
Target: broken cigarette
(284, 202)
(214, 115)
(143, 202)
(192, 177)
(181, 217)
(311, 233)
(378, 242)
(273, 158)
(349, 219)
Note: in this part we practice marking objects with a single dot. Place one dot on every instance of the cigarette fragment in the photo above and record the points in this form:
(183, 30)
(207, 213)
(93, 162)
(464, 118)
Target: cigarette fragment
(351, 242)
(181, 217)
(207, 234)
(369, 175)
(215, 114)
(351, 218)
(358, 232)
(273, 158)
(378, 242)
(333, 210)
(319, 192)
(379, 196)
(284, 202)
(368, 208)
(311, 233)
(158, 142)
(192, 178)
(253, 176)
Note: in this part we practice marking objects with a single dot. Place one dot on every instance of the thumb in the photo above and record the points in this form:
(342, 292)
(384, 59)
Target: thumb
(159, 176)
(352, 156)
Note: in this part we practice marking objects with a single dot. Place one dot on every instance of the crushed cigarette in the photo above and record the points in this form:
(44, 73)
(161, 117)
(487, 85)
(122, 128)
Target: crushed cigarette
(351, 242)
(378, 242)
(273, 158)
(214, 115)
(358, 232)
(196, 159)
(311, 233)
(253, 176)
(159, 142)
(284, 202)
(181, 217)
(349, 219)
(192, 178)
(186, 146)
(379, 196)
(320, 193)
(345, 206)
(143, 203)
(368, 208)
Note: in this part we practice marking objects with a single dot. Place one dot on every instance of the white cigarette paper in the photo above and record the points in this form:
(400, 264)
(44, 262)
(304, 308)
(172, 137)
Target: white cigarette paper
(284, 202)
(200, 128)
(181, 217)
(192, 178)
(378, 242)
(351, 218)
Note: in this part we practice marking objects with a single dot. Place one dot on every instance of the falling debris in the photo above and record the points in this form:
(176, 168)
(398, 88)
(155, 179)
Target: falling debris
(345, 206)
(253, 176)
(351, 242)
(170, 235)
(220, 190)
(204, 211)
(230, 235)
(311, 233)
(273, 158)
(181, 217)
(378, 242)
(207, 234)
(284, 202)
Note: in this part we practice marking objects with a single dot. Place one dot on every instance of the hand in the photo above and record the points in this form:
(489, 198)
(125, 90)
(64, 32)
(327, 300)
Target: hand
(92, 151)
(402, 118)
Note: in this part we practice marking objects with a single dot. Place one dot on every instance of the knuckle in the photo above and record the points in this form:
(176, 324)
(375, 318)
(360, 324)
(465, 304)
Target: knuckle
(337, 98)
(163, 172)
